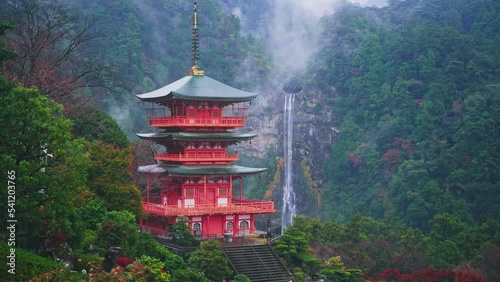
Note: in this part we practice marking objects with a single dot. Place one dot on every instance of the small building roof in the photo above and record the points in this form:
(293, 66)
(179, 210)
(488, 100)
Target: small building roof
(209, 170)
(197, 88)
(209, 136)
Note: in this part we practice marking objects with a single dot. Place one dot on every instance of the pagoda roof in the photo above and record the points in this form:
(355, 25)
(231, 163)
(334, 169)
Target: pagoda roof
(197, 88)
(200, 170)
(210, 136)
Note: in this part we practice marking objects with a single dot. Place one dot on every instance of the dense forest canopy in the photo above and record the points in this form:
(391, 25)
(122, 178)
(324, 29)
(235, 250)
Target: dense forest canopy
(417, 102)
(411, 184)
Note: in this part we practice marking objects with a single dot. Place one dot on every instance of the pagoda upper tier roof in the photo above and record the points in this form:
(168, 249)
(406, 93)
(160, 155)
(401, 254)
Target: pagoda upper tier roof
(200, 170)
(209, 136)
(197, 88)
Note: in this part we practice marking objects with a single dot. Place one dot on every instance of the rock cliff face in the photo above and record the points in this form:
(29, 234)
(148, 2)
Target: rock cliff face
(313, 134)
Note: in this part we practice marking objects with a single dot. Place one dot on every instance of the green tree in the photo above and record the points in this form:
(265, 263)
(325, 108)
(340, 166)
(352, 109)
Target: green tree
(95, 125)
(49, 166)
(110, 178)
(182, 234)
(188, 274)
(210, 259)
(446, 254)
(5, 54)
(292, 247)
(118, 229)
(240, 278)
(154, 269)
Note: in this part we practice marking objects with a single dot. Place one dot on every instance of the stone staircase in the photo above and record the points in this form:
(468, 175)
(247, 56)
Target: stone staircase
(259, 262)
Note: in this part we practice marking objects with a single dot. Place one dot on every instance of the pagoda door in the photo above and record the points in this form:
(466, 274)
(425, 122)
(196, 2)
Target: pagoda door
(191, 115)
(215, 115)
(204, 115)
(208, 198)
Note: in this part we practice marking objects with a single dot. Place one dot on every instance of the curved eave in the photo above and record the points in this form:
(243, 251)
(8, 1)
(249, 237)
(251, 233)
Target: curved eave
(208, 170)
(216, 136)
(214, 170)
(199, 88)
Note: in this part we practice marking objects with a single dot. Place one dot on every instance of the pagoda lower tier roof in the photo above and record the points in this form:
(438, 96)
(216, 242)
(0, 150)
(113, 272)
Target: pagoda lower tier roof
(202, 136)
(200, 170)
(197, 88)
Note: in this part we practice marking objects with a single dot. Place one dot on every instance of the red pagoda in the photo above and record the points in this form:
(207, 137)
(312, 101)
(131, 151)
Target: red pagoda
(193, 117)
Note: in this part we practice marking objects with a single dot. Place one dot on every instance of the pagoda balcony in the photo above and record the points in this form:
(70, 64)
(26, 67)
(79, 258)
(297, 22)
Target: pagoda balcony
(185, 121)
(197, 157)
(243, 206)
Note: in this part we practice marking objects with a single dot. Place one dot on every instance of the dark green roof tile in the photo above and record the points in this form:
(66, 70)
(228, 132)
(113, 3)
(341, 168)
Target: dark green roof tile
(198, 88)
(210, 136)
(183, 170)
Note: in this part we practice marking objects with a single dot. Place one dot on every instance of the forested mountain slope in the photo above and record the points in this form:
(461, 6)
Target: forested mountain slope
(417, 98)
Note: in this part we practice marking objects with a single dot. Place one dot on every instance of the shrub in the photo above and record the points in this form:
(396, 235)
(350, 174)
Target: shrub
(428, 275)
(30, 266)
(123, 261)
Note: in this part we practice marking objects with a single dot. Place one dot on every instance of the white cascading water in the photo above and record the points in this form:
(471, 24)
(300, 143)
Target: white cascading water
(289, 210)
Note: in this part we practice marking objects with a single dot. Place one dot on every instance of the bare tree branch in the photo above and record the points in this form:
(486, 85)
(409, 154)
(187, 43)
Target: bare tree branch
(54, 52)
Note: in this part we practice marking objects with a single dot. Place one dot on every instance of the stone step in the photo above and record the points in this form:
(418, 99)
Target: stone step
(258, 262)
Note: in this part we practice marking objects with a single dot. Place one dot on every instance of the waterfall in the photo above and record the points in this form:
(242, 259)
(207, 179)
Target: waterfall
(289, 209)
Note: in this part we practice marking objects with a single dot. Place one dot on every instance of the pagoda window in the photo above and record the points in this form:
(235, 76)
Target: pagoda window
(229, 225)
(190, 192)
(223, 191)
(244, 224)
(196, 227)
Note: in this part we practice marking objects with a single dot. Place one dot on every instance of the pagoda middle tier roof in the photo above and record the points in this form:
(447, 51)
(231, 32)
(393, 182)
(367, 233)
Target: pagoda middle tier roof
(209, 136)
(200, 170)
(198, 88)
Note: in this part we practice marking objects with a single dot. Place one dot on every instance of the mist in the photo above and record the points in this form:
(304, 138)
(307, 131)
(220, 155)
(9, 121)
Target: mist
(293, 34)
(294, 30)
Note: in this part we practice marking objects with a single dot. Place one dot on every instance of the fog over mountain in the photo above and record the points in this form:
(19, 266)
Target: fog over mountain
(289, 27)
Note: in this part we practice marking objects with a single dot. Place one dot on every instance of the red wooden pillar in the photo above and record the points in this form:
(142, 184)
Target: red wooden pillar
(203, 226)
(235, 225)
(230, 200)
(208, 227)
(252, 224)
(205, 189)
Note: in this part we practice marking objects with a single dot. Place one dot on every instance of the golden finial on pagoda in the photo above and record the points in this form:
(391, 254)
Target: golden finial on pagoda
(195, 69)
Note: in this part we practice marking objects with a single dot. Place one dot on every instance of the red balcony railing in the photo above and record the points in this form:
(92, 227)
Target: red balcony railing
(246, 206)
(197, 157)
(182, 121)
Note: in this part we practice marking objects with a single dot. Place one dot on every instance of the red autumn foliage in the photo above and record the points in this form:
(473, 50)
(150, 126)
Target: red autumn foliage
(405, 145)
(396, 143)
(382, 194)
(355, 160)
(428, 275)
(57, 240)
(123, 261)
(392, 159)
